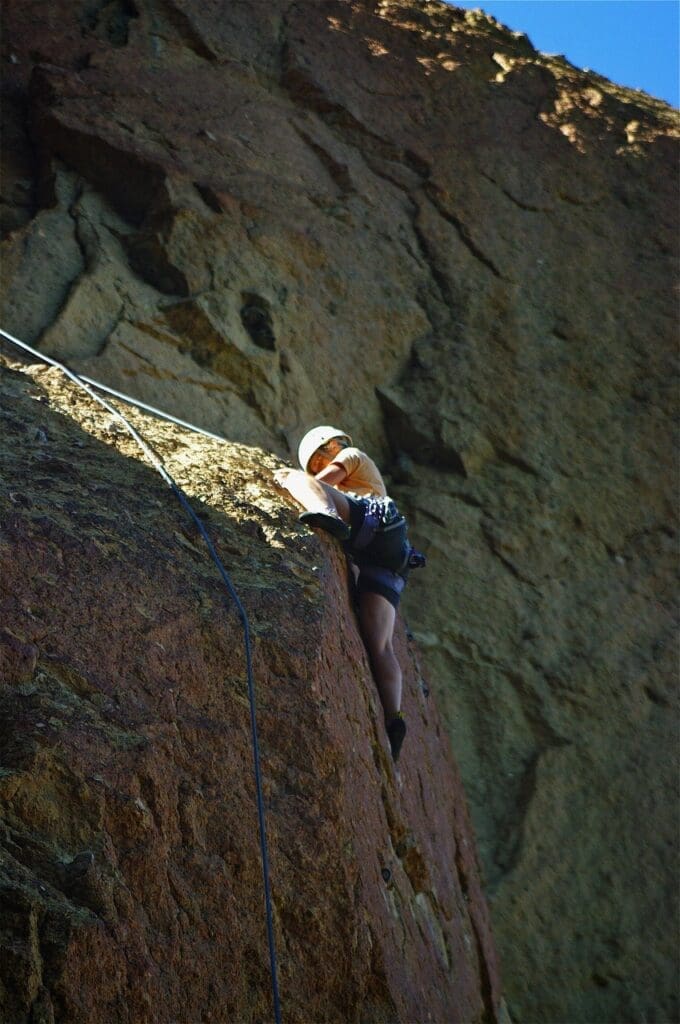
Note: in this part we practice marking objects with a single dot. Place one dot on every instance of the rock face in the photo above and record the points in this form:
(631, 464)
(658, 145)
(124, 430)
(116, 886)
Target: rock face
(402, 217)
(130, 880)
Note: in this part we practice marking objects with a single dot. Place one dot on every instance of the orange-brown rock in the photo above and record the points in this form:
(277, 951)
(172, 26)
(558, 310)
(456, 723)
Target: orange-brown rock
(401, 216)
(130, 873)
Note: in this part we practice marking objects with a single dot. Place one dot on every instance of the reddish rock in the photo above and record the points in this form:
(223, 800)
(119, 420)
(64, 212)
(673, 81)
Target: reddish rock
(131, 879)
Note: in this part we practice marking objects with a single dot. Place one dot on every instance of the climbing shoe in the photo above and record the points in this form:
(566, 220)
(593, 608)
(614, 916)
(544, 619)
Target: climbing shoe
(396, 731)
(331, 524)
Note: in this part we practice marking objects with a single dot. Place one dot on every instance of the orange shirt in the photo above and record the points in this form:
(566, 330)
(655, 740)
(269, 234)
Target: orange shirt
(363, 476)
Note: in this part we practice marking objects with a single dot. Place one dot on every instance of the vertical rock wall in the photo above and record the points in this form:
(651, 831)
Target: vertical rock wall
(402, 217)
(130, 874)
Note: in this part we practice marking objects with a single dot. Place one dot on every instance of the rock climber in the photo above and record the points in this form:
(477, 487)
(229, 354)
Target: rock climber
(342, 492)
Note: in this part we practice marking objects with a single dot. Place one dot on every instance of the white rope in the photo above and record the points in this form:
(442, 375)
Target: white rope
(153, 410)
(41, 357)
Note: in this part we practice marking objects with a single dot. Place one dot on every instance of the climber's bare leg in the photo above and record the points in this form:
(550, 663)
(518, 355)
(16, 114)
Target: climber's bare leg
(377, 617)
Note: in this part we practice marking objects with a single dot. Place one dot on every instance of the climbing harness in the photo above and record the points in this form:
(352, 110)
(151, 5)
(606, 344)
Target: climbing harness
(88, 386)
(381, 516)
(381, 540)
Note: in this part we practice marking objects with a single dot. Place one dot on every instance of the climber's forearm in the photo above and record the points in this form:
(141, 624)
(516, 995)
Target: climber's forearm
(332, 475)
(312, 494)
(305, 489)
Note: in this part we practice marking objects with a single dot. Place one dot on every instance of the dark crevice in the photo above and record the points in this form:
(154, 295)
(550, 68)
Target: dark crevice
(511, 836)
(466, 499)
(209, 196)
(527, 207)
(518, 462)
(440, 279)
(111, 18)
(418, 164)
(72, 285)
(257, 319)
(78, 233)
(463, 231)
(189, 35)
(148, 258)
(380, 169)
(410, 432)
(576, 201)
(489, 1014)
(338, 172)
(101, 345)
(18, 195)
(656, 698)
(427, 514)
(494, 545)
(511, 567)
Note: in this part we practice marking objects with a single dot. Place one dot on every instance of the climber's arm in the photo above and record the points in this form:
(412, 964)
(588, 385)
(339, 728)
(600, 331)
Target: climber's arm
(333, 475)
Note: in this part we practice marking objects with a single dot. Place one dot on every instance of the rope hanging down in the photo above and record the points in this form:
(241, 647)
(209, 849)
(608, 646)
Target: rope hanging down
(88, 385)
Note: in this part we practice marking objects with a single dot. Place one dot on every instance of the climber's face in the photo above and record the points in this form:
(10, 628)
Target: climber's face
(323, 456)
(318, 461)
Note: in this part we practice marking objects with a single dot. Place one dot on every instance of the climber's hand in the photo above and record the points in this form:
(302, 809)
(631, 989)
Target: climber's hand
(281, 476)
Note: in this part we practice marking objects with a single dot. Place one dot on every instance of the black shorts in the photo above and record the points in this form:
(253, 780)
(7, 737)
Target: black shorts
(375, 578)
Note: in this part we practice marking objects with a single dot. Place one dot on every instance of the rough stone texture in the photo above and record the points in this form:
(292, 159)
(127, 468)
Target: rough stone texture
(130, 878)
(401, 216)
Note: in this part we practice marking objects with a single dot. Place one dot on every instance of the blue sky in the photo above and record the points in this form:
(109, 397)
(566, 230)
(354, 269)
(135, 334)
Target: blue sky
(632, 42)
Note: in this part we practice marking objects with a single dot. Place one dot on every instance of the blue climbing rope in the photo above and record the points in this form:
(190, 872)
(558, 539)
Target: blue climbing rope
(88, 385)
(256, 746)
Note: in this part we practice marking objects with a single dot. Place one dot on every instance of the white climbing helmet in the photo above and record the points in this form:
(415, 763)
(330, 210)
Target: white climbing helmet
(316, 437)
